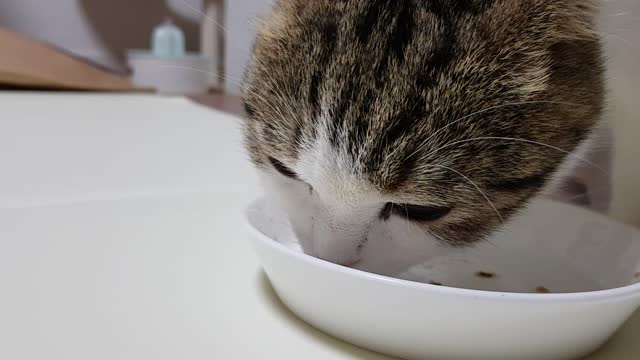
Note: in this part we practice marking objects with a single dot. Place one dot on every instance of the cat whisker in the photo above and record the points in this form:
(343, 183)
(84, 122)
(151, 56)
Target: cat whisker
(439, 131)
(205, 15)
(453, 244)
(440, 238)
(278, 92)
(572, 198)
(519, 140)
(618, 37)
(406, 211)
(279, 111)
(475, 185)
(265, 102)
(235, 82)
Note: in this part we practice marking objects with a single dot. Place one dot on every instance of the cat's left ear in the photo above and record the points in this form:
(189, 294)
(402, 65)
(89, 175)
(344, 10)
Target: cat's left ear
(549, 21)
(283, 18)
(574, 20)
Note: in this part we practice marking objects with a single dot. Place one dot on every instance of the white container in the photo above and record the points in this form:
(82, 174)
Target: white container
(188, 75)
(421, 321)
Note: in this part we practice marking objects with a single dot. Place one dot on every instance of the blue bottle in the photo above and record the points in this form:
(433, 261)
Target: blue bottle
(168, 41)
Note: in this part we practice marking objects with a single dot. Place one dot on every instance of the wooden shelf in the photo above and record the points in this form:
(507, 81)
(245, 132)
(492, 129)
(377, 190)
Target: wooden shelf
(28, 63)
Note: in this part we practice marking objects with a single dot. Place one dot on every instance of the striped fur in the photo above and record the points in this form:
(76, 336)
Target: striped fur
(413, 95)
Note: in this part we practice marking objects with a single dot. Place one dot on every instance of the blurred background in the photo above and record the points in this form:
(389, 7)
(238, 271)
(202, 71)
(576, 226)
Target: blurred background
(103, 31)
(116, 38)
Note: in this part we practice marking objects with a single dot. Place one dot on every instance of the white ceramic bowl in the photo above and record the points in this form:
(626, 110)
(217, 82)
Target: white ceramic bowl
(422, 321)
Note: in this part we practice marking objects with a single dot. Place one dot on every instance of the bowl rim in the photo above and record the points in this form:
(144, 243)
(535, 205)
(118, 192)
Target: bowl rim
(606, 295)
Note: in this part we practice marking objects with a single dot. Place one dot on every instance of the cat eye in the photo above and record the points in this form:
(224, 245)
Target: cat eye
(282, 169)
(415, 213)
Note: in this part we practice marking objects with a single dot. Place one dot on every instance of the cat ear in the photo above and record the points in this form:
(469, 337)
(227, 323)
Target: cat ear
(276, 24)
(549, 21)
(290, 5)
(288, 15)
(574, 20)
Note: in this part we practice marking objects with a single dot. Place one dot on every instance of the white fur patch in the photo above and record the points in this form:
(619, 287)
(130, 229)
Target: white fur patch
(342, 206)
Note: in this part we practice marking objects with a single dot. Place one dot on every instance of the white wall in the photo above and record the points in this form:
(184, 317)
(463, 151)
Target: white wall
(240, 23)
(57, 22)
(621, 27)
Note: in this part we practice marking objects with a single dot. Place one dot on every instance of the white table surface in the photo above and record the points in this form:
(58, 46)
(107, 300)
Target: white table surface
(121, 237)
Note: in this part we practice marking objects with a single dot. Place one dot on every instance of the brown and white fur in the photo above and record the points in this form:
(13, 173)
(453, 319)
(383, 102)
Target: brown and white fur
(451, 114)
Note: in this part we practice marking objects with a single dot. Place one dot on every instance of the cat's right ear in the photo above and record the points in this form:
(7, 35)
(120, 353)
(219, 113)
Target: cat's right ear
(575, 20)
(290, 5)
(283, 18)
(298, 7)
(550, 21)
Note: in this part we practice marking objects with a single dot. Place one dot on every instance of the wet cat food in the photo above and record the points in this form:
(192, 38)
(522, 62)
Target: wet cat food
(486, 275)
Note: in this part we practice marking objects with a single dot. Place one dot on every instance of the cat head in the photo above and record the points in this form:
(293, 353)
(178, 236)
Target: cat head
(450, 114)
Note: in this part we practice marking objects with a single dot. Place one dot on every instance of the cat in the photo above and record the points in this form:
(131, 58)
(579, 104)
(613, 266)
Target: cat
(450, 114)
